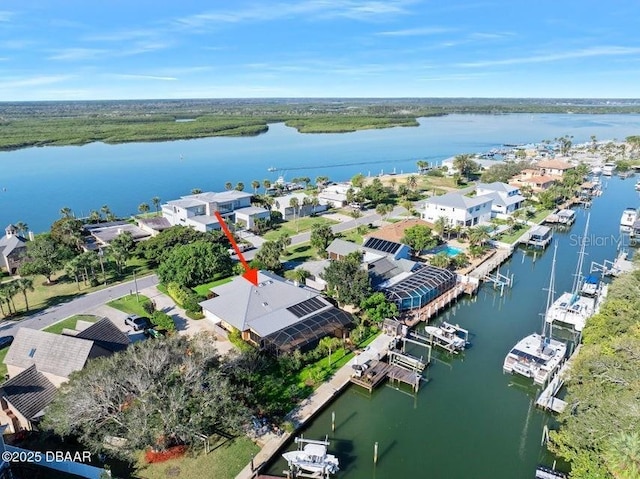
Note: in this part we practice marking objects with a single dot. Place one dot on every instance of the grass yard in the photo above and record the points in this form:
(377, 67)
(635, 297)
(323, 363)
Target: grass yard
(70, 323)
(541, 215)
(3, 366)
(354, 236)
(300, 252)
(203, 289)
(130, 304)
(226, 459)
(513, 235)
(296, 226)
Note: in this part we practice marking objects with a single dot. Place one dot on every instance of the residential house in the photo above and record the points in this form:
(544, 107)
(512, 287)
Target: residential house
(275, 315)
(395, 231)
(458, 209)
(102, 234)
(13, 249)
(387, 248)
(554, 167)
(424, 285)
(154, 224)
(38, 362)
(335, 195)
(532, 179)
(198, 211)
(288, 212)
(506, 198)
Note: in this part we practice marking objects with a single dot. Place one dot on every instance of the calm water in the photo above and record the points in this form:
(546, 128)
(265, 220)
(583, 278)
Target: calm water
(35, 183)
(470, 420)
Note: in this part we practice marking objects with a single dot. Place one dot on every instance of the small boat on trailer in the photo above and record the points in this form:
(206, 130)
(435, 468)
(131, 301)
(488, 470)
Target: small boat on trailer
(311, 458)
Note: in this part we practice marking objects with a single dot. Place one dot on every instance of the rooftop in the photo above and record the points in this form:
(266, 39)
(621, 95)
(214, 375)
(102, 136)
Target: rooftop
(496, 186)
(29, 392)
(456, 200)
(395, 231)
(555, 165)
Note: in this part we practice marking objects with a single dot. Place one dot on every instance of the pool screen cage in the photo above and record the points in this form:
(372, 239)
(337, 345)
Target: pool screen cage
(306, 334)
(421, 288)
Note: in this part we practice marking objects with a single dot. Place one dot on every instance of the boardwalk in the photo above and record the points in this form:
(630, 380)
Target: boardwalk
(547, 399)
(483, 269)
(431, 309)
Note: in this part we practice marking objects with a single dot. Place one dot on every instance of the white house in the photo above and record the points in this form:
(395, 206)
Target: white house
(506, 198)
(335, 196)
(198, 211)
(458, 209)
(283, 205)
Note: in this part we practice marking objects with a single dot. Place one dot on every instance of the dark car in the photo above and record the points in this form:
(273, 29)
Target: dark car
(138, 323)
(155, 333)
(5, 341)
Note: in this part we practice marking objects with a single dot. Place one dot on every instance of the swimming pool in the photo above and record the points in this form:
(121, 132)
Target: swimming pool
(445, 248)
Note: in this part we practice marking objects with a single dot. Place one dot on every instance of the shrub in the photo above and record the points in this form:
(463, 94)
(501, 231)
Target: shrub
(185, 297)
(162, 456)
(195, 314)
(149, 307)
(439, 173)
(163, 320)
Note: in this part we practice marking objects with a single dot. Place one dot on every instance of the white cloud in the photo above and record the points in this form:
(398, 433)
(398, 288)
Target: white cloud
(76, 54)
(414, 32)
(126, 76)
(602, 51)
(6, 16)
(39, 80)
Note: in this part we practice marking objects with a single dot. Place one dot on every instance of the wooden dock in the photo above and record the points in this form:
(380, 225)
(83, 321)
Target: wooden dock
(373, 376)
(547, 399)
(486, 267)
(425, 313)
(401, 367)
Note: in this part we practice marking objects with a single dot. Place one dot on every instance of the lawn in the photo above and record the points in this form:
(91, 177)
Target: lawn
(62, 289)
(512, 236)
(541, 215)
(354, 236)
(203, 289)
(3, 366)
(130, 304)
(226, 459)
(70, 323)
(296, 226)
(300, 252)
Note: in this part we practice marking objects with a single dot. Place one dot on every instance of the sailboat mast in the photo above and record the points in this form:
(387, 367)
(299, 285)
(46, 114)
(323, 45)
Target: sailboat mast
(550, 291)
(577, 278)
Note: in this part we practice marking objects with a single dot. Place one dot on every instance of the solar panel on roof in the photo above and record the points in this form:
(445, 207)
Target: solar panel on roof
(382, 245)
(308, 306)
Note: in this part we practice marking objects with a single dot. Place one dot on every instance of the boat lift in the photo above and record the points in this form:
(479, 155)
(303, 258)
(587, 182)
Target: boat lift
(499, 280)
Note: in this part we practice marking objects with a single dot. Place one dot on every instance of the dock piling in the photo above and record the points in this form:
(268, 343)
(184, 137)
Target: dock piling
(333, 421)
(375, 453)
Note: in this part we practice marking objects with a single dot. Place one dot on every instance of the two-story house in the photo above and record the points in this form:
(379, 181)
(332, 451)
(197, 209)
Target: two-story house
(13, 249)
(555, 168)
(458, 209)
(506, 198)
(198, 211)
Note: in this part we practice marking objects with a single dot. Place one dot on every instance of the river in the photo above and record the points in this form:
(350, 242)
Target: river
(35, 183)
(470, 420)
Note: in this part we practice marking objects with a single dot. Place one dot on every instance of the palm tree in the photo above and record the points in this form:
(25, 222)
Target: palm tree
(393, 182)
(355, 214)
(94, 216)
(315, 202)
(106, 211)
(255, 184)
(465, 164)
(156, 204)
(478, 236)
(300, 274)
(321, 181)
(306, 180)
(197, 191)
(11, 289)
(22, 228)
(240, 186)
(441, 225)
(295, 204)
(412, 182)
(267, 184)
(24, 285)
(384, 210)
(408, 205)
(306, 202)
(228, 186)
(440, 260)
(66, 212)
(143, 208)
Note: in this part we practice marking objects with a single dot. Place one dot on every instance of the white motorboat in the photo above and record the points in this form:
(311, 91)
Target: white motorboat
(637, 185)
(447, 335)
(596, 170)
(536, 357)
(590, 286)
(608, 169)
(628, 218)
(311, 456)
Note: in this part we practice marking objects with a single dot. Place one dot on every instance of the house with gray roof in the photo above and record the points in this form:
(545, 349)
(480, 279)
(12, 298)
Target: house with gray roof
(506, 198)
(457, 209)
(198, 210)
(304, 208)
(276, 315)
(13, 249)
(24, 398)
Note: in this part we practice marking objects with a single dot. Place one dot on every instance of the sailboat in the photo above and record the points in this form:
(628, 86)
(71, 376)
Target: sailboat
(537, 356)
(571, 308)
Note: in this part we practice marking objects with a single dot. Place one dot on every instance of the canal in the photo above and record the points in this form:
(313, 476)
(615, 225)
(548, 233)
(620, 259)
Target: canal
(469, 420)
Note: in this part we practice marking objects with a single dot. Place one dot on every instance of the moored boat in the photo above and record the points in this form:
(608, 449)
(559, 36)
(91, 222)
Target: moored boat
(628, 218)
(312, 457)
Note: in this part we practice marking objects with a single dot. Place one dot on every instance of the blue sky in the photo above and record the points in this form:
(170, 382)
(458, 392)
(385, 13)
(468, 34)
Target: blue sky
(78, 50)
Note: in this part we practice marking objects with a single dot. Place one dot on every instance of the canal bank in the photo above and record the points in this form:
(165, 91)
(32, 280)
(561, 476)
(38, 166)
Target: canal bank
(471, 420)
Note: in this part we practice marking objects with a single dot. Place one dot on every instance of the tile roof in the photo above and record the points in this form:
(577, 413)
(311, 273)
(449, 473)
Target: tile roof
(29, 392)
(555, 164)
(106, 335)
(51, 353)
(395, 231)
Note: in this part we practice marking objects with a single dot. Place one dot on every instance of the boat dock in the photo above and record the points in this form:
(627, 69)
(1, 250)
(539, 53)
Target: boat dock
(484, 269)
(617, 267)
(547, 399)
(547, 473)
(426, 312)
(442, 341)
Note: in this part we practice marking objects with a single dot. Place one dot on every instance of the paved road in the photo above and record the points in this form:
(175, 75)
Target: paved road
(77, 305)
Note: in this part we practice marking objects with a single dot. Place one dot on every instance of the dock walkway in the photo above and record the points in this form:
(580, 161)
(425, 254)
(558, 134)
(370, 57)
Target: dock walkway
(547, 399)
(485, 268)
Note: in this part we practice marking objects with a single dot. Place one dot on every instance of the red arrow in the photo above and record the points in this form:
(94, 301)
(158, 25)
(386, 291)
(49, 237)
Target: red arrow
(250, 274)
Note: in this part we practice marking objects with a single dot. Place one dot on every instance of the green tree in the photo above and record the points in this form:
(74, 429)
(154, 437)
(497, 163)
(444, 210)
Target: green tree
(195, 263)
(44, 256)
(478, 236)
(156, 204)
(143, 208)
(300, 275)
(441, 226)
(268, 257)
(25, 285)
(412, 182)
(94, 216)
(440, 260)
(156, 248)
(68, 231)
(321, 237)
(120, 249)
(622, 455)
(228, 186)
(346, 280)
(197, 191)
(295, 204)
(240, 186)
(376, 308)
(384, 210)
(22, 228)
(266, 184)
(106, 211)
(465, 165)
(255, 184)
(153, 395)
(66, 212)
(357, 180)
(419, 238)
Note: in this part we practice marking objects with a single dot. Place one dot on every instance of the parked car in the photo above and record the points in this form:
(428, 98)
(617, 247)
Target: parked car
(155, 333)
(137, 322)
(5, 341)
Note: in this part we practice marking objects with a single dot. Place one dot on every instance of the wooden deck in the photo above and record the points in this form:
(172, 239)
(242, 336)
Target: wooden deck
(425, 313)
(547, 399)
(373, 376)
